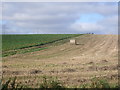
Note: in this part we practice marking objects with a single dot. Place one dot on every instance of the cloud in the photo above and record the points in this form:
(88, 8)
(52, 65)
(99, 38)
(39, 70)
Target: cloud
(108, 25)
(26, 17)
(86, 27)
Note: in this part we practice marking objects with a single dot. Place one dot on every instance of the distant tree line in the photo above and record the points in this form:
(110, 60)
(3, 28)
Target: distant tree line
(89, 33)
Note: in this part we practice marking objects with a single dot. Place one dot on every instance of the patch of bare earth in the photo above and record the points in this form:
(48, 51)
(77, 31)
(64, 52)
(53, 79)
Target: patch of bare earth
(94, 55)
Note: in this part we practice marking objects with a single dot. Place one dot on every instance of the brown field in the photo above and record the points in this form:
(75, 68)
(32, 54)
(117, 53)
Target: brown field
(94, 55)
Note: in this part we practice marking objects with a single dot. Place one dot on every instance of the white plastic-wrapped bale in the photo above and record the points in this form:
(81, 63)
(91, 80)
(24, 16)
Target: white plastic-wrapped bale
(73, 41)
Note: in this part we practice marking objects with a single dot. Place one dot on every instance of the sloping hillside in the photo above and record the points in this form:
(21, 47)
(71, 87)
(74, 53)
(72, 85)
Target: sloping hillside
(94, 55)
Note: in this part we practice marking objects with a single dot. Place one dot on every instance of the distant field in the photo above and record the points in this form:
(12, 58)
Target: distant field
(17, 44)
(10, 42)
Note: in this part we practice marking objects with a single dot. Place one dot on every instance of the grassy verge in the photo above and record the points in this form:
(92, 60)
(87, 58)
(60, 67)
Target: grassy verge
(54, 83)
(22, 51)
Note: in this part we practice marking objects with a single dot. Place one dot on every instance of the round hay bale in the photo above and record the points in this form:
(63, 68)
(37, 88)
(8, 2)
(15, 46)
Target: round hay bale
(73, 41)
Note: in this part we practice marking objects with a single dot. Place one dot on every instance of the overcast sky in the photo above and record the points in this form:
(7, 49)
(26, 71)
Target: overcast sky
(59, 18)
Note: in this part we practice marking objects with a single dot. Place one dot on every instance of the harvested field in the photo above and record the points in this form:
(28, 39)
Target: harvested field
(94, 55)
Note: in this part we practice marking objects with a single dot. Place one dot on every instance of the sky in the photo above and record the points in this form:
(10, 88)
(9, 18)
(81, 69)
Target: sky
(59, 17)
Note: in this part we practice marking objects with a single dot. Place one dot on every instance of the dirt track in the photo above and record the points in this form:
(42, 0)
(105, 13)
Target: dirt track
(94, 55)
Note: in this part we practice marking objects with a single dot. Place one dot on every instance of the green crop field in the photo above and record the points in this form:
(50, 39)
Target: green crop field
(14, 42)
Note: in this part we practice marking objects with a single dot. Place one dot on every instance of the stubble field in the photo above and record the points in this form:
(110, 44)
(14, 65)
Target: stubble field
(93, 56)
